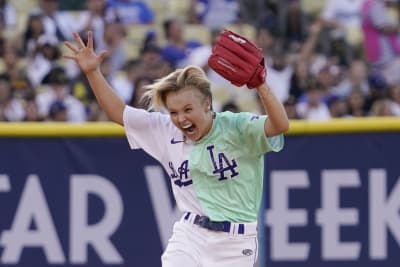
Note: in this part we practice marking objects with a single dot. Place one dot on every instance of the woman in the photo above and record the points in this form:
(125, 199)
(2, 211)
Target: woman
(215, 160)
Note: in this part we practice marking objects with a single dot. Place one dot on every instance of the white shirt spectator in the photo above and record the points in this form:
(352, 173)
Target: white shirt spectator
(9, 16)
(317, 113)
(122, 86)
(345, 12)
(347, 15)
(279, 80)
(37, 69)
(217, 13)
(14, 111)
(75, 109)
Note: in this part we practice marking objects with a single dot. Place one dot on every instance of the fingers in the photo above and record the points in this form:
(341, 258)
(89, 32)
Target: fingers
(102, 55)
(90, 40)
(71, 47)
(79, 41)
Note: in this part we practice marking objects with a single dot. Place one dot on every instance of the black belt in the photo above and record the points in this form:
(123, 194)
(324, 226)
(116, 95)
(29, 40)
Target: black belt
(205, 222)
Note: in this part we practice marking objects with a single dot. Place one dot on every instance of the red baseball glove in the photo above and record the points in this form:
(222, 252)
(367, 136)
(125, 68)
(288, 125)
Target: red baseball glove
(238, 60)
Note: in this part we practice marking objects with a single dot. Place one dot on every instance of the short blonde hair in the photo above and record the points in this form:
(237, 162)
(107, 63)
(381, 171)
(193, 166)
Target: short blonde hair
(191, 76)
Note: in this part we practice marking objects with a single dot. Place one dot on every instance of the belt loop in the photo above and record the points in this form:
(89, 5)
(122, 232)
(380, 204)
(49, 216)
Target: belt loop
(187, 216)
(241, 229)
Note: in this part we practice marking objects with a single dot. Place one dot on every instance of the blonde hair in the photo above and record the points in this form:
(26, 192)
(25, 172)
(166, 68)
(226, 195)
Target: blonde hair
(191, 76)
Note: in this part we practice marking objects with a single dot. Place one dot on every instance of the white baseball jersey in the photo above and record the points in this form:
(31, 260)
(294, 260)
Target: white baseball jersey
(227, 168)
(155, 133)
(226, 165)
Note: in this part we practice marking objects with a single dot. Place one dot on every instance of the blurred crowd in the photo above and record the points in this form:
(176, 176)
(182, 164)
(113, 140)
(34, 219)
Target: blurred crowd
(325, 59)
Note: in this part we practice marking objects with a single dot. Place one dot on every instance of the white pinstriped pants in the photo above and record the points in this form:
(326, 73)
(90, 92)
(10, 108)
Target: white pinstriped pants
(194, 246)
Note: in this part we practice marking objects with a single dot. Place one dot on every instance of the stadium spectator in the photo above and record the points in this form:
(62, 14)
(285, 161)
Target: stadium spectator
(378, 90)
(230, 106)
(21, 87)
(214, 14)
(356, 104)
(307, 62)
(313, 107)
(46, 56)
(177, 49)
(279, 73)
(337, 106)
(58, 111)
(97, 113)
(140, 88)
(294, 23)
(266, 41)
(290, 108)
(299, 79)
(11, 109)
(123, 81)
(56, 23)
(152, 63)
(58, 90)
(8, 16)
(395, 96)
(114, 32)
(93, 18)
(342, 19)
(382, 108)
(261, 13)
(329, 77)
(14, 65)
(128, 12)
(381, 40)
(81, 90)
(33, 30)
(199, 56)
(31, 110)
(356, 79)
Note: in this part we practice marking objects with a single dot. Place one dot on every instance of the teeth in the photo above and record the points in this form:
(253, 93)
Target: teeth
(187, 126)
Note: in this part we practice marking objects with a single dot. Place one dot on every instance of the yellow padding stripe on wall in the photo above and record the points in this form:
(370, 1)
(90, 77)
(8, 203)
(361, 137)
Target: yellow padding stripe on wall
(109, 129)
(350, 125)
(54, 129)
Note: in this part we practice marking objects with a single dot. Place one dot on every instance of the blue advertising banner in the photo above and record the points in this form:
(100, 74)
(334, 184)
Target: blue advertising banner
(329, 200)
(69, 202)
(334, 200)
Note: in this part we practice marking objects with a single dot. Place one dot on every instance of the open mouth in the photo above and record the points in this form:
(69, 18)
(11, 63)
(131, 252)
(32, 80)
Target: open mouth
(189, 129)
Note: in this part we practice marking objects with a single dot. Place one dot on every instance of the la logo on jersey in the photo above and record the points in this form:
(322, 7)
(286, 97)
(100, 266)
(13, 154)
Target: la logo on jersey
(224, 164)
(180, 178)
(220, 162)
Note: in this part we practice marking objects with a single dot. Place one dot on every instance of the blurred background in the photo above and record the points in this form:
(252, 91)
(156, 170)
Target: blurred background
(326, 59)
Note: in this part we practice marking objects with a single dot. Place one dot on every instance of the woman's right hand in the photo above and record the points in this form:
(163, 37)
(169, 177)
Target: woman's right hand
(84, 55)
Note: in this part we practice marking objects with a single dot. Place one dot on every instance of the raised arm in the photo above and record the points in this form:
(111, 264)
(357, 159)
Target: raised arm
(278, 121)
(89, 63)
(239, 61)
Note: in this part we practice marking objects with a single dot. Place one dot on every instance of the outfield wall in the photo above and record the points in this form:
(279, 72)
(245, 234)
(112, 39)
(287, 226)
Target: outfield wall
(74, 194)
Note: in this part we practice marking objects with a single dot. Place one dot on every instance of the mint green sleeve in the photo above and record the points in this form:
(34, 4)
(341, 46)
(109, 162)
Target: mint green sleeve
(252, 134)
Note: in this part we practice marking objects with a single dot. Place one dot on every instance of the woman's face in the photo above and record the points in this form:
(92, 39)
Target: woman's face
(190, 111)
(176, 30)
(36, 25)
(356, 100)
